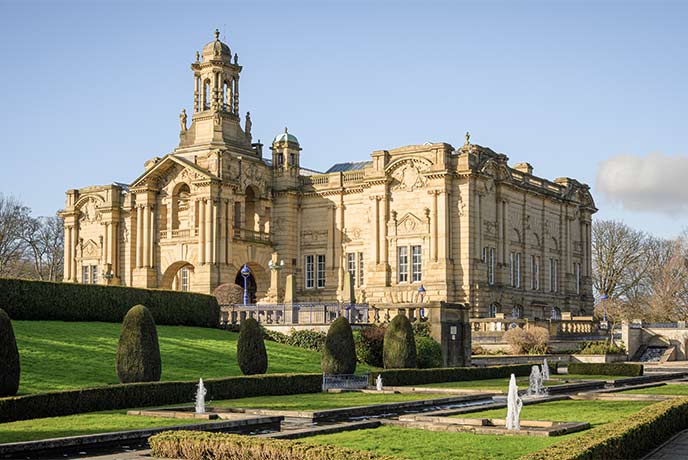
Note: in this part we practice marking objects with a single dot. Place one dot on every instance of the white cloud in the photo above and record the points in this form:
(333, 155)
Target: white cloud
(655, 183)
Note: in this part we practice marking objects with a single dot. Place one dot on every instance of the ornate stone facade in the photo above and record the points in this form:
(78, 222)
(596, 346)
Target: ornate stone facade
(460, 223)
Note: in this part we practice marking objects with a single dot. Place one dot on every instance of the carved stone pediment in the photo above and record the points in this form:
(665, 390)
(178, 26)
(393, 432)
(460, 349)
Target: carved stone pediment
(407, 174)
(89, 210)
(410, 224)
(90, 250)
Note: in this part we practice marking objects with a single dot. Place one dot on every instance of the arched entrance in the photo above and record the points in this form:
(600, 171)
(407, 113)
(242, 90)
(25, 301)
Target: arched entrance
(251, 285)
(178, 277)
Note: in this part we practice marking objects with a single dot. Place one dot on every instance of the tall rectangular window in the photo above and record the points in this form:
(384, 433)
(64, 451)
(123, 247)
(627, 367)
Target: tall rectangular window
(310, 272)
(320, 275)
(491, 267)
(576, 268)
(402, 263)
(94, 274)
(553, 282)
(517, 263)
(535, 273)
(417, 263)
(361, 277)
(85, 274)
(351, 265)
(512, 269)
(185, 279)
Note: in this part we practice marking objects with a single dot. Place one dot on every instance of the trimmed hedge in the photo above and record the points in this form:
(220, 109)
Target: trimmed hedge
(127, 395)
(627, 369)
(138, 352)
(428, 352)
(399, 347)
(401, 377)
(339, 352)
(198, 445)
(251, 354)
(44, 300)
(629, 437)
(10, 369)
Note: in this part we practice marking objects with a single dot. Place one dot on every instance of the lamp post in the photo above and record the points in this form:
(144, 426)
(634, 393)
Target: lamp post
(603, 299)
(421, 295)
(245, 272)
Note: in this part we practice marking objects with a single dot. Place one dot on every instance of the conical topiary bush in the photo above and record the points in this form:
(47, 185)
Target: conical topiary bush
(138, 352)
(9, 357)
(399, 348)
(251, 354)
(339, 352)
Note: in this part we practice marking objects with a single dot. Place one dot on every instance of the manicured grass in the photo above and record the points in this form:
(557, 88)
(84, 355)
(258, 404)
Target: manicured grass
(319, 401)
(414, 444)
(668, 389)
(522, 382)
(73, 425)
(59, 355)
(593, 412)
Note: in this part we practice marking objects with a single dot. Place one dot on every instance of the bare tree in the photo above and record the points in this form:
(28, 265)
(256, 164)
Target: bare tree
(668, 300)
(619, 254)
(44, 239)
(13, 218)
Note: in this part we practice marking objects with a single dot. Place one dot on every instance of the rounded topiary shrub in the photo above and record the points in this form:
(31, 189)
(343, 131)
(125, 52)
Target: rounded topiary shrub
(428, 353)
(339, 352)
(9, 357)
(399, 348)
(138, 352)
(251, 354)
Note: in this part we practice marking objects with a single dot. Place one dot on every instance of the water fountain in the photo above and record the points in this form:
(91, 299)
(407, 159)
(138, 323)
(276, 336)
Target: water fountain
(378, 383)
(200, 397)
(536, 386)
(514, 406)
(545, 370)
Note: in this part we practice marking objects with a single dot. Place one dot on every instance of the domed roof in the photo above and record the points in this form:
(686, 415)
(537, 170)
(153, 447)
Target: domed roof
(285, 137)
(216, 50)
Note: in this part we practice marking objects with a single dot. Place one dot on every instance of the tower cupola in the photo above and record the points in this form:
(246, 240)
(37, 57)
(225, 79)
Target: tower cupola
(285, 154)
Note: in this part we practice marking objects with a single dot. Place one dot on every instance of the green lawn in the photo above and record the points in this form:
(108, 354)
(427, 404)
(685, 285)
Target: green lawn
(59, 355)
(593, 412)
(320, 401)
(668, 389)
(73, 425)
(502, 384)
(413, 444)
(416, 444)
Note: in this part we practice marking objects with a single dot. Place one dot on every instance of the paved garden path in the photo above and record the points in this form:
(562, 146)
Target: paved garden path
(675, 448)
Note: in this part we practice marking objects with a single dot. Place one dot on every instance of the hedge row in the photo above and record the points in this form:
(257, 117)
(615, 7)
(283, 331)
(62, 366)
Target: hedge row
(129, 395)
(401, 377)
(198, 445)
(630, 437)
(43, 300)
(627, 369)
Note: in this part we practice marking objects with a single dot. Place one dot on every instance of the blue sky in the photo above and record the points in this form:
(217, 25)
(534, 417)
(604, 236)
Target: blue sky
(92, 89)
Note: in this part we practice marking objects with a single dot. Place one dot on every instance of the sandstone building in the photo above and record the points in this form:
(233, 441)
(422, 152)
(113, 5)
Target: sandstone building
(462, 223)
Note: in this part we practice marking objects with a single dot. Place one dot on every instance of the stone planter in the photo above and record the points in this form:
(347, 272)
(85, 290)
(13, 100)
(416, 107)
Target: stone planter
(605, 358)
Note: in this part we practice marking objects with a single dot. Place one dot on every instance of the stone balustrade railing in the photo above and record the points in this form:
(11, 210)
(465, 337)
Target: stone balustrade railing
(251, 235)
(179, 233)
(557, 328)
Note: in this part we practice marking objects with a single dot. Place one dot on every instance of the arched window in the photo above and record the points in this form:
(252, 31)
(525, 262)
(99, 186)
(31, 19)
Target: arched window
(556, 313)
(206, 95)
(517, 312)
(180, 206)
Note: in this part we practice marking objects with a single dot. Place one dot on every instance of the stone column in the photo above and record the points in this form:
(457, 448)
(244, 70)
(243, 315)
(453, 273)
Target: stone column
(114, 248)
(383, 239)
(435, 218)
(106, 251)
(201, 231)
(151, 236)
(67, 254)
(146, 236)
(139, 236)
(208, 230)
(75, 239)
(236, 95)
(377, 229)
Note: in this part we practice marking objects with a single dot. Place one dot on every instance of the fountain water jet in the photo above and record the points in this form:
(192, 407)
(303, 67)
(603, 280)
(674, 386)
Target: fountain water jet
(535, 384)
(545, 370)
(200, 397)
(514, 405)
(378, 383)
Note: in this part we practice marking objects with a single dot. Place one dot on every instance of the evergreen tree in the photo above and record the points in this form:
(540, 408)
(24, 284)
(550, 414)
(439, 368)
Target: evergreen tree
(339, 352)
(9, 357)
(399, 348)
(251, 354)
(138, 352)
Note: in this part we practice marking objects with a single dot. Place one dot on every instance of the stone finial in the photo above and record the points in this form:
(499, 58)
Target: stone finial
(198, 56)
(285, 130)
(249, 124)
(182, 120)
(217, 34)
(236, 59)
(468, 138)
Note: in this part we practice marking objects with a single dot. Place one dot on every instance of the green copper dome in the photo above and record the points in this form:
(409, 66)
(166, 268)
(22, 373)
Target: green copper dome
(285, 137)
